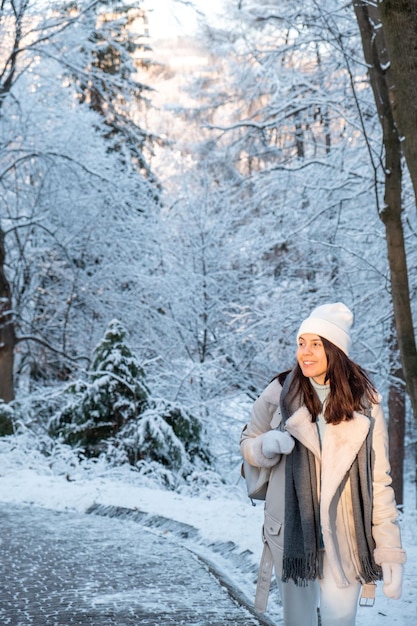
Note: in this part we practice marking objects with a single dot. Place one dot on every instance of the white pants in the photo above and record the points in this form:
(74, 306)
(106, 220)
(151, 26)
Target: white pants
(337, 605)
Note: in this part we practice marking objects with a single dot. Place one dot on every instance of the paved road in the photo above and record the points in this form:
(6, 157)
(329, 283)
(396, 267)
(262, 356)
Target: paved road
(64, 568)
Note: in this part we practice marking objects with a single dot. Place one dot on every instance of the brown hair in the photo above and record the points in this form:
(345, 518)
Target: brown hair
(350, 387)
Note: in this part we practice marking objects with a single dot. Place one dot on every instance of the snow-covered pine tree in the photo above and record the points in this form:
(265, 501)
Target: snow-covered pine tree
(167, 434)
(6, 419)
(111, 412)
(113, 394)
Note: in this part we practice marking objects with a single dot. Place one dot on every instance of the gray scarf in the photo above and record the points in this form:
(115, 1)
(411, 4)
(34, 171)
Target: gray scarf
(303, 545)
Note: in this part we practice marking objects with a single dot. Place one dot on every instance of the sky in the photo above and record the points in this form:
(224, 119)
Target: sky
(222, 514)
(172, 16)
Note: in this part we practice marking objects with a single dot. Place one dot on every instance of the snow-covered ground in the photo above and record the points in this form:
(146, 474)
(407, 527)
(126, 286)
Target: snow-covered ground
(227, 525)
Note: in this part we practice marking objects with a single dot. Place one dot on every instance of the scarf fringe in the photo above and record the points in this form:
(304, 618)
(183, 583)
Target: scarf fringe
(302, 569)
(370, 571)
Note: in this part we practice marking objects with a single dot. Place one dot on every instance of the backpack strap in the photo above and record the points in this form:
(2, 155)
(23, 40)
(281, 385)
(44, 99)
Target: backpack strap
(264, 579)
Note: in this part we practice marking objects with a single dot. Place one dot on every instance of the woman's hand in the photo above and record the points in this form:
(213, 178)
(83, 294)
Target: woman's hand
(276, 442)
(392, 574)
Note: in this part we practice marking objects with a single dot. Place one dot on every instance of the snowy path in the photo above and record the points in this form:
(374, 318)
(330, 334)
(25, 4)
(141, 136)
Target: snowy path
(62, 568)
(220, 526)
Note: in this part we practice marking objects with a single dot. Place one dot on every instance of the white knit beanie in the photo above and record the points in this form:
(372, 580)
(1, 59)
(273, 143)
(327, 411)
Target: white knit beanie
(331, 321)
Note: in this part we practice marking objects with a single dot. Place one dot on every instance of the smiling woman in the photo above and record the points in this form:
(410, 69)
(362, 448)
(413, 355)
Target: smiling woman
(330, 524)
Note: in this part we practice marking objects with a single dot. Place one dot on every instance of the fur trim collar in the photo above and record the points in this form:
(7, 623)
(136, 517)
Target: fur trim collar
(341, 444)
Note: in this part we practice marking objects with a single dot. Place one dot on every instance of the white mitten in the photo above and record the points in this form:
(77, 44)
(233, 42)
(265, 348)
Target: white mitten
(276, 442)
(392, 574)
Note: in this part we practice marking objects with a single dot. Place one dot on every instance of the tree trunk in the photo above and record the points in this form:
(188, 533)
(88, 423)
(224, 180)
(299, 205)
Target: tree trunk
(396, 432)
(383, 87)
(399, 22)
(7, 334)
(396, 423)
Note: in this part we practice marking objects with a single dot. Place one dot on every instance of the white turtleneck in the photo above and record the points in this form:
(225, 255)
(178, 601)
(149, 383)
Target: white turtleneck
(322, 392)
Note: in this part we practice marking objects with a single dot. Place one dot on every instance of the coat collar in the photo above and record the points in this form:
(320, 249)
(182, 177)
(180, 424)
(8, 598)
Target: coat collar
(300, 426)
(341, 444)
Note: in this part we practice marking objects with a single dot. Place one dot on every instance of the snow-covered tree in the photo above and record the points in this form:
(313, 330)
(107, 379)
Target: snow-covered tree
(277, 141)
(111, 412)
(72, 194)
(6, 419)
(165, 434)
(102, 58)
(113, 393)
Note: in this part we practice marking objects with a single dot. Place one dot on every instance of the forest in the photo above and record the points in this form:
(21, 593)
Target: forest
(171, 209)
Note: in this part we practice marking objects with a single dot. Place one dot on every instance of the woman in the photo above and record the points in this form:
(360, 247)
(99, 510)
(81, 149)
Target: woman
(330, 513)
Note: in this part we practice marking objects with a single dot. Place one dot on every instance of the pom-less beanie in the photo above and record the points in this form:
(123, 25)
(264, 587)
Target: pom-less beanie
(331, 321)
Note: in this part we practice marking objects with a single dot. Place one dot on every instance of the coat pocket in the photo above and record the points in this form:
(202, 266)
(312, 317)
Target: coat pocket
(273, 535)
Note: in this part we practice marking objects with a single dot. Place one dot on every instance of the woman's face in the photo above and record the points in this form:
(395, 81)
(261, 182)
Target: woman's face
(312, 358)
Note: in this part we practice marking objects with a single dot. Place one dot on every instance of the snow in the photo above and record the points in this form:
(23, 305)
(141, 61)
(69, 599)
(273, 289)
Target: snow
(221, 517)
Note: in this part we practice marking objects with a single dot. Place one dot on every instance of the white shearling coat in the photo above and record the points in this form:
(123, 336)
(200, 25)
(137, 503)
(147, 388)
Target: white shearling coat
(340, 446)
